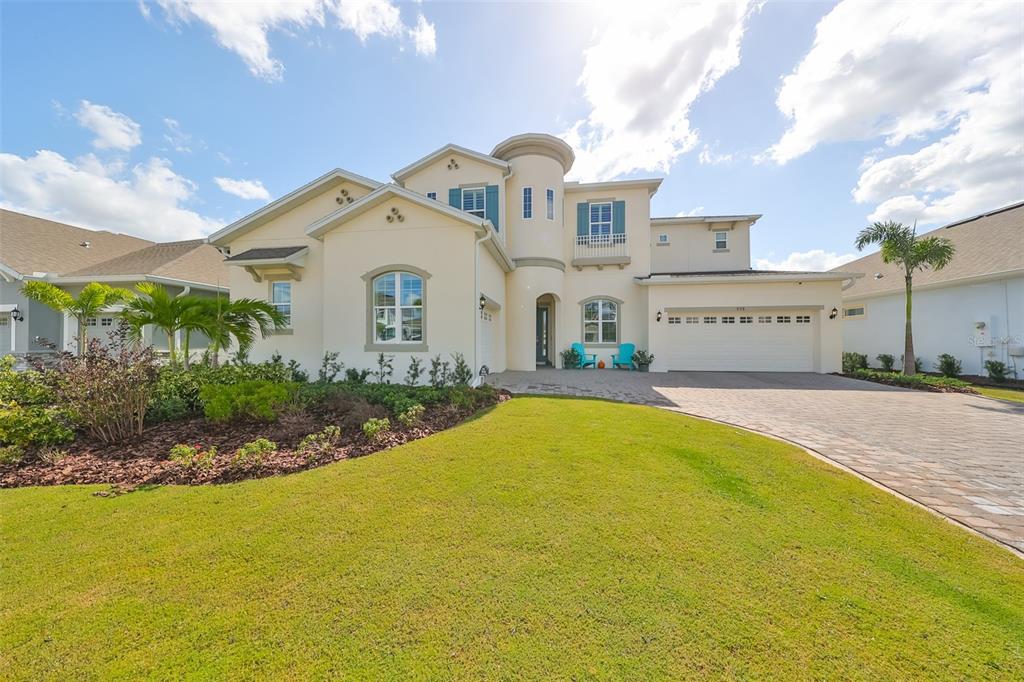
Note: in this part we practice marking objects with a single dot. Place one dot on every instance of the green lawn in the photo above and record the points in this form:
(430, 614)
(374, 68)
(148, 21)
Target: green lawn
(1013, 395)
(549, 538)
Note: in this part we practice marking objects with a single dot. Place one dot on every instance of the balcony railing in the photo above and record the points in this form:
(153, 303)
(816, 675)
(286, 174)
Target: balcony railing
(601, 249)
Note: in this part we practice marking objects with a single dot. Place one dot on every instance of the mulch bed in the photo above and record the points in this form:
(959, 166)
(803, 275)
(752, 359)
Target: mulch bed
(916, 386)
(144, 461)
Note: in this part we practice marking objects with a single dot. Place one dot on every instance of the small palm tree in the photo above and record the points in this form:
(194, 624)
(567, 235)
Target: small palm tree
(901, 245)
(168, 313)
(240, 319)
(93, 299)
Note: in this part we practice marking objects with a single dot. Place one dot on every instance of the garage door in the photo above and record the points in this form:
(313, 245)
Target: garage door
(758, 341)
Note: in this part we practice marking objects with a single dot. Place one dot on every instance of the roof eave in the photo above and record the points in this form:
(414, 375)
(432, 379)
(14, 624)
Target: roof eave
(125, 279)
(656, 280)
(402, 174)
(651, 184)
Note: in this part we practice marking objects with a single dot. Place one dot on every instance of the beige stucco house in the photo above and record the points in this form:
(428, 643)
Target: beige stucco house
(497, 257)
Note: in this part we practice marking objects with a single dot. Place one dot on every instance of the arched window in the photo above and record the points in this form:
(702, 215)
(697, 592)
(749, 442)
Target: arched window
(600, 321)
(398, 308)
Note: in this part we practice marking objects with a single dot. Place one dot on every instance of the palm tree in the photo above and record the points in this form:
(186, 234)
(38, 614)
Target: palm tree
(170, 314)
(901, 245)
(241, 319)
(93, 299)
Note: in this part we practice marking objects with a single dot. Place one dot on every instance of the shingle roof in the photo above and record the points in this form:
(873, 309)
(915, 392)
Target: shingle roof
(266, 253)
(191, 261)
(29, 244)
(986, 244)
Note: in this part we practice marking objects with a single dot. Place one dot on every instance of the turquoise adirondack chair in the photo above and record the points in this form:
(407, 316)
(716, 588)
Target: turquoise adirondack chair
(586, 360)
(624, 358)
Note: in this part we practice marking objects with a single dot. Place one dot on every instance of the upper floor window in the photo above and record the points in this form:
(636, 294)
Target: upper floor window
(398, 308)
(662, 239)
(601, 220)
(527, 202)
(474, 201)
(432, 195)
(551, 204)
(721, 240)
(281, 298)
(600, 321)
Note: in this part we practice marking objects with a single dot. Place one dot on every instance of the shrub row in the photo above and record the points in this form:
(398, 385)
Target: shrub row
(921, 381)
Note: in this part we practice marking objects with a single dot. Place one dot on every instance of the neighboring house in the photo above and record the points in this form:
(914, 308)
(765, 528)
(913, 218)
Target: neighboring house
(497, 257)
(972, 309)
(36, 249)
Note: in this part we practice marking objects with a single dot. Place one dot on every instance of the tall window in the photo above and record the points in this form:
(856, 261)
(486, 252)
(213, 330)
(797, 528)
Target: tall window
(600, 321)
(601, 221)
(473, 201)
(527, 202)
(281, 298)
(551, 204)
(721, 240)
(398, 308)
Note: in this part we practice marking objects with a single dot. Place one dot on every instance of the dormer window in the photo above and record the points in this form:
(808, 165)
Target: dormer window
(721, 241)
(474, 201)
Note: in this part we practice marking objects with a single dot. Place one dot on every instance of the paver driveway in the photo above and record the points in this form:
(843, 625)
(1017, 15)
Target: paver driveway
(961, 455)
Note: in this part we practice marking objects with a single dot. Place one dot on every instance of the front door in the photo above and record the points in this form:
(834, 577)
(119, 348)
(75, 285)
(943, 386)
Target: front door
(542, 335)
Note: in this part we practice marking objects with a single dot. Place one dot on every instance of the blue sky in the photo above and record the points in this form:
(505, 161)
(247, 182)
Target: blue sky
(171, 118)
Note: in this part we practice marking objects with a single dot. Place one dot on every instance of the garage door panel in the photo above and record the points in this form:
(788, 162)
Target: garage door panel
(701, 341)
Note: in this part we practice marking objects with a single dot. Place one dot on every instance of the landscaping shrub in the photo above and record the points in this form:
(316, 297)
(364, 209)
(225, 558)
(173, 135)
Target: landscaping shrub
(33, 425)
(412, 415)
(414, 372)
(854, 361)
(385, 368)
(25, 388)
(261, 400)
(107, 390)
(462, 373)
(356, 376)
(374, 429)
(330, 368)
(253, 452)
(571, 358)
(51, 454)
(193, 456)
(439, 372)
(11, 454)
(997, 371)
(886, 361)
(913, 381)
(949, 366)
(316, 444)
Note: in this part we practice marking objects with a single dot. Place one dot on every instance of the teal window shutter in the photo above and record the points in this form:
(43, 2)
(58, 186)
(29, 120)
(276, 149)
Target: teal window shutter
(491, 204)
(455, 197)
(582, 219)
(618, 217)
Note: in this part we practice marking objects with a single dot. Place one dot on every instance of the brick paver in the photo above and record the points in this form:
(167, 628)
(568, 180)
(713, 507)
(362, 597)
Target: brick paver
(961, 455)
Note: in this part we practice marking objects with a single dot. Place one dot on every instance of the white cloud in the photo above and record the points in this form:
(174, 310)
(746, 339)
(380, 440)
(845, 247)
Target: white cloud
(243, 189)
(242, 27)
(815, 260)
(178, 139)
(146, 201)
(112, 130)
(640, 77)
(904, 71)
(692, 212)
(708, 156)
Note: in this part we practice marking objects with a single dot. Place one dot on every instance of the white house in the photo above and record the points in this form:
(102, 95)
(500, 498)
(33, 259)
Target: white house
(70, 257)
(497, 257)
(972, 309)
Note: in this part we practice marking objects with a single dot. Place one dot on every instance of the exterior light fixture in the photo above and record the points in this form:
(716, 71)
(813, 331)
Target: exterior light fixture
(657, 318)
(832, 315)
(483, 301)
(17, 315)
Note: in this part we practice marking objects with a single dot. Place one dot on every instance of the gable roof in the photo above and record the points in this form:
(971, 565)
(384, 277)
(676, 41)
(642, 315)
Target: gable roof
(399, 176)
(987, 245)
(31, 245)
(289, 201)
(192, 261)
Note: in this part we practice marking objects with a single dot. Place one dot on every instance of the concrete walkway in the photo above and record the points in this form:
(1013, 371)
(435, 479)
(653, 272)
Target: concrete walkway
(961, 455)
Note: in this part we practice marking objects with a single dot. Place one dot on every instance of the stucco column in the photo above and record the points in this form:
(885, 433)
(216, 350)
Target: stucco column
(525, 285)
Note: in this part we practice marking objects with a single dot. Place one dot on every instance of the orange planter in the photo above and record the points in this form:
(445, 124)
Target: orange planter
(600, 364)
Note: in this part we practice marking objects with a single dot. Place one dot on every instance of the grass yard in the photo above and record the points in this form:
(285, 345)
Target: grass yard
(1013, 395)
(549, 538)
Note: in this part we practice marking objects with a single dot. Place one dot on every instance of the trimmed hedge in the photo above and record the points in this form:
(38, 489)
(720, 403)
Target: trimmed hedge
(918, 381)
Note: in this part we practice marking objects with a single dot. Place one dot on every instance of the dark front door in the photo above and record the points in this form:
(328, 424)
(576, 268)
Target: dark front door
(542, 336)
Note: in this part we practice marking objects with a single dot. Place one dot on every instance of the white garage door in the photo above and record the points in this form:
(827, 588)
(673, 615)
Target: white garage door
(749, 341)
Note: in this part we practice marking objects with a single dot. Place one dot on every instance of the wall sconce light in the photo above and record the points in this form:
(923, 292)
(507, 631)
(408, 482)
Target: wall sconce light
(657, 318)
(483, 301)
(17, 315)
(832, 315)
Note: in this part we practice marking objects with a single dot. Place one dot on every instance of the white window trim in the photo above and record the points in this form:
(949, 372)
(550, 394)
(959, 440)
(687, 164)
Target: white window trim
(663, 239)
(483, 191)
(601, 302)
(397, 308)
(725, 241)
(288, 305)
(863, 314)
(433, 195)
(525, 189)
(610, 223)
(549, 203)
